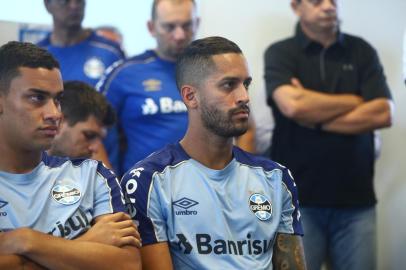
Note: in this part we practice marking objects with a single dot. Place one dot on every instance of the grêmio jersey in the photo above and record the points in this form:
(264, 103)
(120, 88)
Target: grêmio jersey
(150, 110)
(212, 219)
(60, 197)
(87, 60)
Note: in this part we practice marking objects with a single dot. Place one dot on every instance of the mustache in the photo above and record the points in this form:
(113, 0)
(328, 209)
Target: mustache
(241, 108)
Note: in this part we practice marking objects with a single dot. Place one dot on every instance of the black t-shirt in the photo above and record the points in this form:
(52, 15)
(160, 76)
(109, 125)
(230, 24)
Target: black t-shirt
(330, 169)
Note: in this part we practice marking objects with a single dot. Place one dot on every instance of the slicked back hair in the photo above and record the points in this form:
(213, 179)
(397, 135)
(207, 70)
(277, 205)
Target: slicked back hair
(156, 2)
(14, 55)
(80, 101)
(196, 62)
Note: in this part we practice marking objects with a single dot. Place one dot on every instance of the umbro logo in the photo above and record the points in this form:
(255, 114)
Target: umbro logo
(3, 204)
(185, 204)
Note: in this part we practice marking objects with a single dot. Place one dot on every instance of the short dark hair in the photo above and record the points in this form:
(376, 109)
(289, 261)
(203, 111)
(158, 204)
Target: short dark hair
(196, 61)
(80, 101)
(156, 2)
(14, 55)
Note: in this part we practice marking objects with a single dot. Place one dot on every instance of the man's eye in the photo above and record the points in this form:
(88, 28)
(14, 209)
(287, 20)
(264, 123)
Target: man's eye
(187, 26)
(90, 136)
(168, 27)
(37, 98)
(228, 85)
(247, 85)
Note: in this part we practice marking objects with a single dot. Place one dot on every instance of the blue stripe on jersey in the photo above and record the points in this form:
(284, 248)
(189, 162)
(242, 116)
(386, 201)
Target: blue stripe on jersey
(110, 74)
(109, 177)
(269, 165)
(138, 181)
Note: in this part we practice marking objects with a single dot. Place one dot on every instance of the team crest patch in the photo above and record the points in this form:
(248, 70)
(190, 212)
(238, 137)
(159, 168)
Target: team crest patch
(65, 194)
(93, 68)
(260, 206)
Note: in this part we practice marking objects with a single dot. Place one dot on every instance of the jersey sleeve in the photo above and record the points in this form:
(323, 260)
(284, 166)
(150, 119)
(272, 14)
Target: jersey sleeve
(108, 196)
(290, 221)
(373, 80)
(110, 86)
(279, 68)
(142, 195)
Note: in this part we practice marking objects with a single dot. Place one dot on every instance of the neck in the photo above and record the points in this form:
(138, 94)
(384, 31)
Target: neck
(164, 56)
(212, 151)
(62, 36)
(325, 38)
(13, 161)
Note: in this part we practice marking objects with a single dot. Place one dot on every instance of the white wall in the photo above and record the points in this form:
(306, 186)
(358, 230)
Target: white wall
(254, 25)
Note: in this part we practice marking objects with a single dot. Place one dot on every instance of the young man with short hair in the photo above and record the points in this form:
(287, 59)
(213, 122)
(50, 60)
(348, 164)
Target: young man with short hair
(203, 203)
(86, 115)
(54, 213)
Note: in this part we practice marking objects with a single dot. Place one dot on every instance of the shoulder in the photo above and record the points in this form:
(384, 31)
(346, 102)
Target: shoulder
(105, 44)
(358, 43)
(125, 68)
(255, 161)
(170, 156)
(45, 42)
(281, 46)
(86, 166)
(266, 165)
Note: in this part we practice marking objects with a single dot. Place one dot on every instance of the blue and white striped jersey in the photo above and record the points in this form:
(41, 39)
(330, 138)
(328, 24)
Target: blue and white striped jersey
(212, 219)
(60, 196)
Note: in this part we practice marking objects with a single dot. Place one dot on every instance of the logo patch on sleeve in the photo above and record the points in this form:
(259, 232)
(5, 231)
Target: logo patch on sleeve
(65, 194)
(260, 206)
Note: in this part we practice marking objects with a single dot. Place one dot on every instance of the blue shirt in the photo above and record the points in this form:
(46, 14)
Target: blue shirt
(60, 196)
(87, 60)
(212, 219)
(150, 110)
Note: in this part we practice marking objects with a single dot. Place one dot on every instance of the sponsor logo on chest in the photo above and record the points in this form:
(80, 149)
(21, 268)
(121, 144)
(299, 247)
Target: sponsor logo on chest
(182, 207)
(165, 105)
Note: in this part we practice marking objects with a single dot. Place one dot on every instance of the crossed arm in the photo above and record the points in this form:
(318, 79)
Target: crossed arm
(341, 113)
(111, 243)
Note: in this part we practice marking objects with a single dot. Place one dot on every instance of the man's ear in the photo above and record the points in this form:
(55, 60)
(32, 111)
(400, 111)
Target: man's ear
(151, 27)
(1, 101)
(295, 7)
(189, 96)
(46, 4)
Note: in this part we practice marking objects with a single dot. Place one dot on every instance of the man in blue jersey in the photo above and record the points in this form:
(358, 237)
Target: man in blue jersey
(54, 213)
(86, 115)
(142, 89)
(82, 54)
(203, 203)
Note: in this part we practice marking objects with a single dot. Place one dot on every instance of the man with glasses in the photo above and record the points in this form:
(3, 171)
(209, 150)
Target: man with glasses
(82, 53)
(328, 95)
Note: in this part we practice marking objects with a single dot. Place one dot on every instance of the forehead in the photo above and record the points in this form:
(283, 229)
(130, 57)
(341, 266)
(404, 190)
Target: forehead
(230, 65)
(91, 124)
(37, 78)
(316, 3)
(172, 11)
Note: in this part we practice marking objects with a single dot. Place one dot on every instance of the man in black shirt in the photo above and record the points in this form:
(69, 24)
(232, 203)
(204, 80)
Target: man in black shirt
(328, 94)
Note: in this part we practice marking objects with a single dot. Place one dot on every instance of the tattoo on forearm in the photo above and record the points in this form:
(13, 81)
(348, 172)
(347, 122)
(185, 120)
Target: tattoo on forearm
(288, 253)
